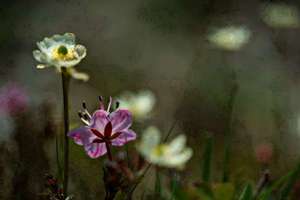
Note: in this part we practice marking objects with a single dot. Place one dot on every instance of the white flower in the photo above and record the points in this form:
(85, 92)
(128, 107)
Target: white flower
(140, 104)
(172, 155)
(61, 51)
(280, 15)
(230, 38)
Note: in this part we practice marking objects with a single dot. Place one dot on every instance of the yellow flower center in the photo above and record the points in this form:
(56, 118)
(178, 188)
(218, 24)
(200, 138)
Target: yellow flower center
(63, 53)
(159, 150)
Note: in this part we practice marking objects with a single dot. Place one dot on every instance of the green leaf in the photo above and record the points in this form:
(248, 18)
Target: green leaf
(177, 191)
(157, 184)
(247, 193)
(207, 159)
(290, 183)
(266, 194)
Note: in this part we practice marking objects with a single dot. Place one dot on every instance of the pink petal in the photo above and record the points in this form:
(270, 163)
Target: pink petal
(82, 135)
(121, 120)
(95, 150)
(99, 120)
(124, 137)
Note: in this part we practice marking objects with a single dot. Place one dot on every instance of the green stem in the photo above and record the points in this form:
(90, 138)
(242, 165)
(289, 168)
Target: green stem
(228, 131)
(65, 86)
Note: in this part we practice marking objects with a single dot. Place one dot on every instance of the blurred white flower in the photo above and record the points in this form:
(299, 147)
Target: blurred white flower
(230, 38)
(280, 15)
(61, 51)
(139, 104)
(173, 155)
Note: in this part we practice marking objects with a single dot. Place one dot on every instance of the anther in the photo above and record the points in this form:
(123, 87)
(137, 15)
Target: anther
(80, 114)
(84, 105)
(117, 104)
(86, 116)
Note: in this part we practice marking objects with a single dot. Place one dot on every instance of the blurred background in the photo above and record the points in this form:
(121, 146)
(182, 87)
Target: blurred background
(214, 67)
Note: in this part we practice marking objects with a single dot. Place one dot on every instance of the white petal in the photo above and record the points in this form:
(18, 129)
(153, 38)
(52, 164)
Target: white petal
(79, 75)
(39, 56)
(81, 51)
(177, 144)
(150, 139)
(179, 160)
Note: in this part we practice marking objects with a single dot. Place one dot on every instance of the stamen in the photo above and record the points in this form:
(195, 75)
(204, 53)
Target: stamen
(83, 118)
(101, 102)
(86, 116)
(80, 114)
(85, 121)
(117, 104)
(86, 112)
(109, 104)
(84, 105)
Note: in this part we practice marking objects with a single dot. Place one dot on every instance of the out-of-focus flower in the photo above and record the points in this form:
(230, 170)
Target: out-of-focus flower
(230, 38)
(173, 155)
(280, 15)
(13, 99)
(140, 104)
(264, 153)
(103, 128)
(61, 51)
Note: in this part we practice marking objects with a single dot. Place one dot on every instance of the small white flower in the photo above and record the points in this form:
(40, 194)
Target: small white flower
(140, 104)
(173, 155)
(230, 38)
(60, 51)
(280, 15)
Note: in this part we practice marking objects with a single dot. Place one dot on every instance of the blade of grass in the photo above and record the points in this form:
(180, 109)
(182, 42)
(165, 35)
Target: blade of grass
(266, 194)
(157, 186)
(247, 193)
(290, 183)
(207, 159)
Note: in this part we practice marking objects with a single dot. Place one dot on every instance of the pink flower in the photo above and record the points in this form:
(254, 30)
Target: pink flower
(13, 99)
(103, 129)
(264, 153)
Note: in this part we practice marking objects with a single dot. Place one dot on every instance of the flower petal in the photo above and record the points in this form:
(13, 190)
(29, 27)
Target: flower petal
(177, 144)
(82, 135)
(99, 120)
(80, 51)
(39, 56)
(124, 137)
(79, 75)
(121, 120)
(94, 150)
(178, 160)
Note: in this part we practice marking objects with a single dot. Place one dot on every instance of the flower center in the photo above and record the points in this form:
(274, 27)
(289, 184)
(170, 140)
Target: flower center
(63, 53)
(62, 50)
(159, 150)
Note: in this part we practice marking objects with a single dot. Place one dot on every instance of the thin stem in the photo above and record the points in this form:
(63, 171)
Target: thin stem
(108, 151)
(228, 131)
(65, 86)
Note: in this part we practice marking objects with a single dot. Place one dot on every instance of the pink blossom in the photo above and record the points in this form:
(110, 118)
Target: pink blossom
(264, 153)
(13, 99)
(103, 129)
